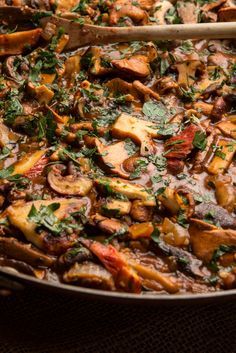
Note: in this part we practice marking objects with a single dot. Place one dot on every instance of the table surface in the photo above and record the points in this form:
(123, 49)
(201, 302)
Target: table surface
(39, 322)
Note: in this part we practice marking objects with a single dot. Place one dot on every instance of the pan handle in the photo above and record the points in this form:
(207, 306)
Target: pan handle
(8, 285)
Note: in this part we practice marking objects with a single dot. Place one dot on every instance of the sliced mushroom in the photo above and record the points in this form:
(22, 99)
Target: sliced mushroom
(42, 93)
(49, 31)
(141, 213)
(227, 14)
(131, 191)
(215, 214)
(112, 157)
(146, 4)
(97, 67)
(15, 43)
(202, 156)
(165, 85)
(64, 5)
(68, 184)
(22, 267)
(212, 5)
(174, 234)
(207, 83)
(121, 86)
(225, 191)
(220, 155)
(28, 162)
(219, 59)
(145, 272)
(137, 65)
(123, 9)
(18, 217)
(90, 275)
(205, 239)
(13, 248)
(228, 127)
(72, 66)
(131, 94)
(116, 207)
(188, 11)
(11, 70)
(187, 72)
(109, 225)
(208, 11)
(62, 42)
(140, 131)
(77, 254)
(6, 136)
(114, 261)
(146, 91)
(168, 200)
(160, 9)
(203, 107)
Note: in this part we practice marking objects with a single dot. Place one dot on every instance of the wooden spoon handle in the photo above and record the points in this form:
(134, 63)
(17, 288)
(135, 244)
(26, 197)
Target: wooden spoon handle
(89, 34)
(165, 32)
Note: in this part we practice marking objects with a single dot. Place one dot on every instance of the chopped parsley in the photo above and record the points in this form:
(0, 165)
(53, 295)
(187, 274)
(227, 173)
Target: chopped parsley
(155, 110)
(200, 140)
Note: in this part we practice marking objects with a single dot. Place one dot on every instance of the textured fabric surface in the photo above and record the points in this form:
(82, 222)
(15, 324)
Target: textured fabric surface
(40, 322)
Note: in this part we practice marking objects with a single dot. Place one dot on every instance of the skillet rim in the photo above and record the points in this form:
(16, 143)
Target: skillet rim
(24, 280)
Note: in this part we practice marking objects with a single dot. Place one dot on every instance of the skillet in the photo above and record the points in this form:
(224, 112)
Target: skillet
(17, 281)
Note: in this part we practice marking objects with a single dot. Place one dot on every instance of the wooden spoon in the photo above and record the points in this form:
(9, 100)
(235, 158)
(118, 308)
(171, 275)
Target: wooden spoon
(84, 35)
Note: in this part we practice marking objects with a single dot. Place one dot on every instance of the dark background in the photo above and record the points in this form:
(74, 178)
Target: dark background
(36, 321)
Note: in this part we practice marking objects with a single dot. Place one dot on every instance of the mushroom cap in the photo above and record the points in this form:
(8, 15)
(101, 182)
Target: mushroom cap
(69, 184)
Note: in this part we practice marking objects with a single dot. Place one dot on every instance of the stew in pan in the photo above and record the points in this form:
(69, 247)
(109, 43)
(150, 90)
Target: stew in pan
(117, 166)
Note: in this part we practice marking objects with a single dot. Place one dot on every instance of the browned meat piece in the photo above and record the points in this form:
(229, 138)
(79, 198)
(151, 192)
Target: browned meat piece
(175, 166)
(178, 148)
